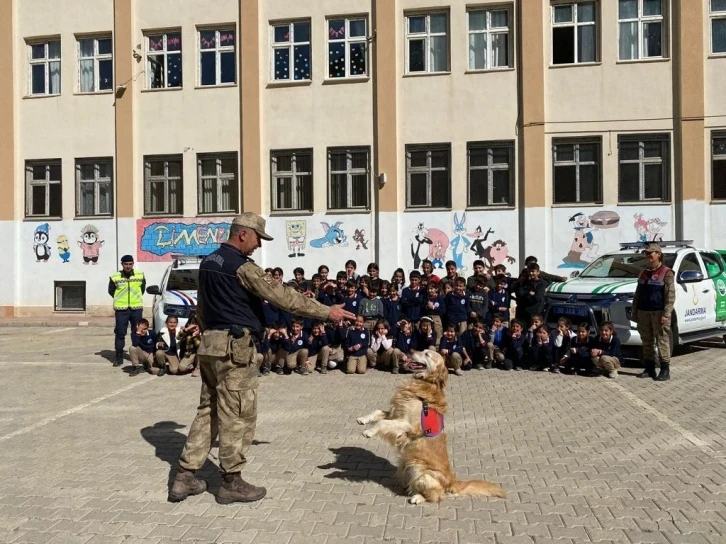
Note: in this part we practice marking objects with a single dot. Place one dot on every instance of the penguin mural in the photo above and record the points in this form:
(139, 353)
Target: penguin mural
(40, 243)
(90, 244)
(64, 248)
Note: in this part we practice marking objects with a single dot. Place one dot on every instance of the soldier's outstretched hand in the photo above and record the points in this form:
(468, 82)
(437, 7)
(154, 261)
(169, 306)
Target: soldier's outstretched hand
(337, 313)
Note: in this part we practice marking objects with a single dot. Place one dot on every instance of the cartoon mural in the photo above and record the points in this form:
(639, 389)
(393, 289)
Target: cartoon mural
(459, 243)
(64, 248)
(648, 230)
(496, 254)
(90, 244)
(41, 247)
(295, 233)
(360, 239)
(477, 246)
(420, 237)
(158, 239)
(334, 236)
(589, 241)
(439, 245)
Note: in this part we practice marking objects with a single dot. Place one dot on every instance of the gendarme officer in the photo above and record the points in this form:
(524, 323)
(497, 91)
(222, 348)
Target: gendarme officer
(653, 303)
(229, 307)
(127, 288)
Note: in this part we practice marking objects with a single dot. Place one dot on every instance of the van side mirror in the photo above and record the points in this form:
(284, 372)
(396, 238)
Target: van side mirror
(153, 290)
(575, 274)
(690, 276)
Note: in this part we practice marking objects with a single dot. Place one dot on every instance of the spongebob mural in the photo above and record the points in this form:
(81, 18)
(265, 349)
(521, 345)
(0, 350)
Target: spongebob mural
(296, 233)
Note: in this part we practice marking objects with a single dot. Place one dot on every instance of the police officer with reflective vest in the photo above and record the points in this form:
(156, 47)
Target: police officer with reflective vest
(127, 288)
(653, 303)
(230, 314)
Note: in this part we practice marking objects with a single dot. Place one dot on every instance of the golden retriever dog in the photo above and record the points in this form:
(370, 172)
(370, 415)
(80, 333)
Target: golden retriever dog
(424, 468)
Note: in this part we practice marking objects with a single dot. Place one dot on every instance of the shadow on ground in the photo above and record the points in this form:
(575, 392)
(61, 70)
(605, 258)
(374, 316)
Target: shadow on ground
(354, 464)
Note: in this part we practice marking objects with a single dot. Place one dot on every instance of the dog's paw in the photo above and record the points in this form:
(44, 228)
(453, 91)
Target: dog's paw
(361, 420)
(369, 433)
(416, 499)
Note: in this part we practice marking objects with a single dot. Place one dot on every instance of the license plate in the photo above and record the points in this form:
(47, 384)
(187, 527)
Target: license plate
(569, 311)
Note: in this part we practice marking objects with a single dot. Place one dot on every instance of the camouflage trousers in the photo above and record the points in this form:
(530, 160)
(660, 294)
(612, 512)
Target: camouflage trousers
(653, 334)
(227, 404)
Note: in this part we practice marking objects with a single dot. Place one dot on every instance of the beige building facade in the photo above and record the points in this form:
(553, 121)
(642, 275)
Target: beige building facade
(385, 131)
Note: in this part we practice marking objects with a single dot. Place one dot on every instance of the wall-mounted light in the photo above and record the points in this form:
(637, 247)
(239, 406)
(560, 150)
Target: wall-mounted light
(382, 179)
(120, 90)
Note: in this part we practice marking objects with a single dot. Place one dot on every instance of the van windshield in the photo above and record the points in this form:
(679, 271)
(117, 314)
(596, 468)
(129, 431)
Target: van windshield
(623, 265)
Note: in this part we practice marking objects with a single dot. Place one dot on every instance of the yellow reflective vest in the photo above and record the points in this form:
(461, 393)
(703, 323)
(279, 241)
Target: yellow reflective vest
(129, 293)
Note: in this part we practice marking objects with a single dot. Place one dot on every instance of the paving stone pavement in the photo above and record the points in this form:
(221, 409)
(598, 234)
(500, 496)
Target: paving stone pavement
(87, 453)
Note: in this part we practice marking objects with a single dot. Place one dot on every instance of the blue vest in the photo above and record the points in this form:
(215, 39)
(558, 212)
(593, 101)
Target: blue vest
(651, 289)
(223, 300)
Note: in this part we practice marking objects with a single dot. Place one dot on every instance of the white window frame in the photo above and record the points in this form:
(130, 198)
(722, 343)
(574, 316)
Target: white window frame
(350, 172)
(219, 179)
(490, 168)
(576, 25)
(166, 54)
(716, 16)
(148, 179)
(46, 61)
(295, 204)
(428, 170)
(489, 31)
(641, 161)
(218, 49)
(97, 57)
(98, 180)
(290, 46)
(643, 20)
(348, 41)
(47, 182)
(577, 163)
(426, 36)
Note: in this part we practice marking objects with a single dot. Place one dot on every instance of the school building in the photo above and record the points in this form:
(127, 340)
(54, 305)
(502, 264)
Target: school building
(377, 130)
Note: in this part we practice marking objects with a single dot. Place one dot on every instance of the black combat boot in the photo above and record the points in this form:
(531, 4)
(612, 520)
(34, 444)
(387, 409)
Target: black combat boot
(649, 371)
(185, 484)
(235, 489)
(665, 372)
(119, 358)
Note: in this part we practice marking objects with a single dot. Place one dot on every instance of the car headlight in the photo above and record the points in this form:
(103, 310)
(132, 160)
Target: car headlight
(624, 296)
(176, 310)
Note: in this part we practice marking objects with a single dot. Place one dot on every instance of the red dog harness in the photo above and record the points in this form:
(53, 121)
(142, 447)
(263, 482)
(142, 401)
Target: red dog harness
(432, 421)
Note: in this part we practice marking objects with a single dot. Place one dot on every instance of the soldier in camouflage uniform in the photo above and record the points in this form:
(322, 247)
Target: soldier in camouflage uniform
(229, 309)
(653, 303)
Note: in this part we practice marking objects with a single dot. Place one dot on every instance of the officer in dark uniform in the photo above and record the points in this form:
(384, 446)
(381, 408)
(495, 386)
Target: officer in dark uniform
(230, 314)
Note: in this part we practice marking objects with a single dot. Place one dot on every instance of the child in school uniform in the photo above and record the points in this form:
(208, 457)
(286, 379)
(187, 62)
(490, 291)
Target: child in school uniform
(457, 306)
(478, 301)
(580, 346)
(371, 307)
(380, 353)
(404, 341)
(542, 350)
(605, 353)
(561, 336)
(500, 300)
(497, 340)
(424, 337)
(412, 297)
(453, 352)
(434, 308)
(318, 350)
(294, 345)
(474, 341)
(357, 342)
(514, 346)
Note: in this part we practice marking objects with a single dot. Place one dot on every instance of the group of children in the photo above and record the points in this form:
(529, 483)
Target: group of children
(467, 320)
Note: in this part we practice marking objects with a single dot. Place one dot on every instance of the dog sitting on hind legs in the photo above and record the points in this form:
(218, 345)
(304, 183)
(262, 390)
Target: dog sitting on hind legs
(414, 426)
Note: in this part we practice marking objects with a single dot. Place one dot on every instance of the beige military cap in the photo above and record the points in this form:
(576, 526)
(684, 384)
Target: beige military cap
(254, 222)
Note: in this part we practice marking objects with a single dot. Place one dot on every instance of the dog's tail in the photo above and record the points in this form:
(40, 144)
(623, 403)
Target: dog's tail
(477, 488)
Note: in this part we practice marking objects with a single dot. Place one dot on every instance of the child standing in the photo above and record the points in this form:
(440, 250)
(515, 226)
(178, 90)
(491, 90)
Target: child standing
(352, 298)
(434, 308)
(357, 342)
(499, 300)
(457, 306)
(412, 296)
(478, 301)
(371, 308)
(606, 351)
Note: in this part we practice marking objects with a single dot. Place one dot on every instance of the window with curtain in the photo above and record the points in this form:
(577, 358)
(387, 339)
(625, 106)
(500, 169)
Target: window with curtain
(291, 54)
(428, 176)
(218, 183)
(427, 42)
(489, 39)
(217, 60)
(643, 168)
(641, 26)
(164, 60)
(490, 168)
(43, 188)
(292, 180)
(95, 64)
(718, 27)
(348, 178)
(347, 47)
(45, 67)
(94, 187)
(163, 188)
(574, 33)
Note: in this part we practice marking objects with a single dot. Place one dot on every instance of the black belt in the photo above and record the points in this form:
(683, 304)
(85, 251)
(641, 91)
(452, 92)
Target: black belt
(237, 331)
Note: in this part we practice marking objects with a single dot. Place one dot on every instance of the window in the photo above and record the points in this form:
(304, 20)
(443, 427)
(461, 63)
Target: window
(95, 64)
(163, 185)
(428, 176)
(718, 167)
(292, 180)
(712, 263)
(218, 183)
(348, 178)
(574, 33)
(164, 60)
(718, 26)
(488, 39)
(347, 48)
(576, 172)
(427, 43)
(491, 174)
(70, 296)
(642, 29)
(43, 182)
(644, 173)
(291, 52)
(94, 187)
(45, 67)
(217, 61)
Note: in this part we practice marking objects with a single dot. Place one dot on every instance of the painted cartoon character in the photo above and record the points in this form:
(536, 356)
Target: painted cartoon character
(360, 239)
(334, 236)
(439, 245)
(296, 232)
(641, 227)
(420, 237)
(64, 248)
(90, 244)
(40, 243)
(497, 253)
(459, 243)
(480, 237)
(655, 225)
